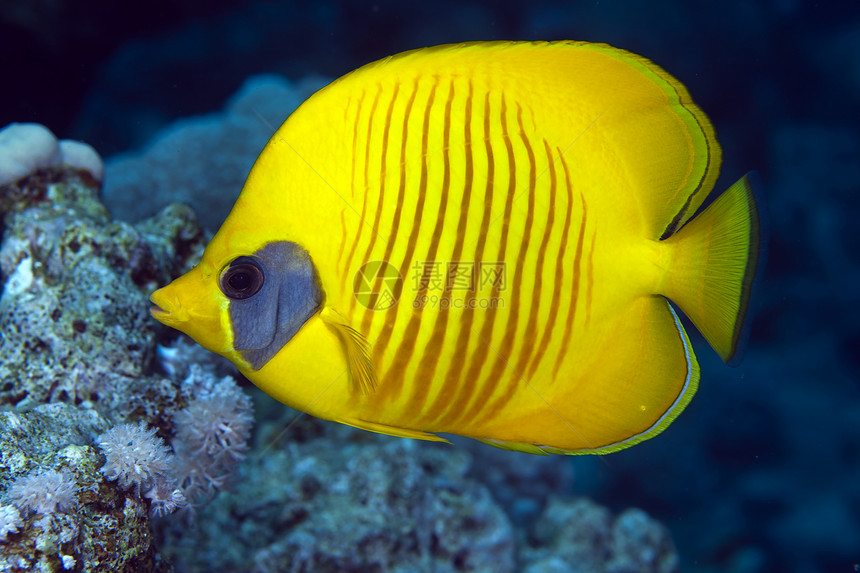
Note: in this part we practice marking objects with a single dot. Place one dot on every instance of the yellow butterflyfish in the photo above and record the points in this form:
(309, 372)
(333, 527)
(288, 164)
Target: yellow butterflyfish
(482, 239)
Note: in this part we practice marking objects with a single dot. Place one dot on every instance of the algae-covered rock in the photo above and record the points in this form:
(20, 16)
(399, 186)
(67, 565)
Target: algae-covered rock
(580, 535)
(73, 310)
(346, 500)
(77, 357)
(96, 528)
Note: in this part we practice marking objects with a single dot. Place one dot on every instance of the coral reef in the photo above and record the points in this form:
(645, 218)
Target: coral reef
(211, 436)
(522, 486)
(579, 535)
(96, 527)
(317, 496)
(78, 353)
(345, 500)
(73, 309)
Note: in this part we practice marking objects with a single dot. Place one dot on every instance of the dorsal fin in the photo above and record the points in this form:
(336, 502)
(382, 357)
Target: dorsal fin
(362, 373)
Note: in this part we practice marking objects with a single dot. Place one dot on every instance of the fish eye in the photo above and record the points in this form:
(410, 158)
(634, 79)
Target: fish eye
(242, 279)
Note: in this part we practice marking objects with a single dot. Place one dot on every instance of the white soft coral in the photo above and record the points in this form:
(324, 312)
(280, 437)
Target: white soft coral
(44, 492)
(10, 520)
(135, 456)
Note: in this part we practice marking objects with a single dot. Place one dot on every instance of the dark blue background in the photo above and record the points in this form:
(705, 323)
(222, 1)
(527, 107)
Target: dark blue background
(762, 472)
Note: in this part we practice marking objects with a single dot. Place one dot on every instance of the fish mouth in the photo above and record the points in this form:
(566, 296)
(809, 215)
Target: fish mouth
(162, 311)
(157, 312)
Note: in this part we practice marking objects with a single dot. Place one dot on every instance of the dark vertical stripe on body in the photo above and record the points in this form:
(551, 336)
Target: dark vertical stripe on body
(473, 377)
(530, 333)
(430, 360)
(453, 378)
(394, 379)
(577, 261)
(381, 197)
(342, 235)
(558, 277)
(355, 125)
(369, 131)
(504, 361)
(381, 342)
(430, 357)
(368, 314)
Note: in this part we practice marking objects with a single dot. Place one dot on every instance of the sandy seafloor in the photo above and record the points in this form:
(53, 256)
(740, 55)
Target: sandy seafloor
(762, 471)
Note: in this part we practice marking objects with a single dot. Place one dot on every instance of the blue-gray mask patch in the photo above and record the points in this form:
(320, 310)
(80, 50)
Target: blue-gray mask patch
(272, 294)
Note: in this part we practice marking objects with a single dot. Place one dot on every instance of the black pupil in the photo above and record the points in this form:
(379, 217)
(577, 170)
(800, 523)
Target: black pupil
(240, 280)
(243, 279)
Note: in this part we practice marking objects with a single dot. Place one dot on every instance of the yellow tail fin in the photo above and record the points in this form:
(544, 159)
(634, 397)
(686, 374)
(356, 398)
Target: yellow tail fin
(714, 261)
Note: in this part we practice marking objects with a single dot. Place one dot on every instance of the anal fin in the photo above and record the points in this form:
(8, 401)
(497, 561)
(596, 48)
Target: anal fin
(393, 430)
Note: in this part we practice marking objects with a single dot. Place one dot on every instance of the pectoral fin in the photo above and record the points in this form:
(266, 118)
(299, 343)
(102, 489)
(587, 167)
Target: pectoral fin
(362, 373)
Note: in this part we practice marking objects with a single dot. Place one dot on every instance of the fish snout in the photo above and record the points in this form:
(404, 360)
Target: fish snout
(167, 308)
(191, 304)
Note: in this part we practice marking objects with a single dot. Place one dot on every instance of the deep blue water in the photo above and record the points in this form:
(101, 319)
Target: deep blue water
(762, 472)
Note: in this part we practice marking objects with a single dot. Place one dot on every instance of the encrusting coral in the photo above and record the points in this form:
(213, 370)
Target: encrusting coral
(78, 352)
(104, 530)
